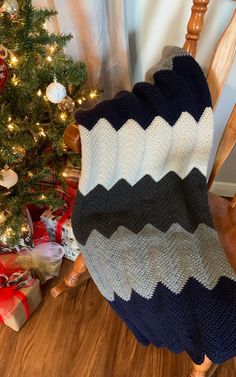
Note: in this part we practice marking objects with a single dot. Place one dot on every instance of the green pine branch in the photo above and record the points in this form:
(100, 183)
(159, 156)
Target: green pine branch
(31, 127)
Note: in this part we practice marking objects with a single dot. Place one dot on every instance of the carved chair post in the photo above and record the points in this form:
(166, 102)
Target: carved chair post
(71, 138)
(222, 61)
(226, 144)
(195, 25)
(194, 29)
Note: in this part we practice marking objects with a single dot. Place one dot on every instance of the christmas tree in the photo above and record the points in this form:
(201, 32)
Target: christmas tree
(40, 87)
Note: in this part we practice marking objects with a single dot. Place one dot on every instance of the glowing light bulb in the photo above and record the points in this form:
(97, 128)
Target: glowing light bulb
(9, 232)
(9, 119)
(24, 228)
(39, 92)
(64, 174)
(63, 116)
(52, 49)
(45, 98)
(10, 127)
(93, 95)
(42, 197)
(49, 58)
(30, 174)
(41, 132)
(80, 101)
(15, 81)
(14, 60)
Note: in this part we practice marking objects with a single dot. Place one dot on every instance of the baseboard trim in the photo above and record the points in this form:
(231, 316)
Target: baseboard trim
(227, 189)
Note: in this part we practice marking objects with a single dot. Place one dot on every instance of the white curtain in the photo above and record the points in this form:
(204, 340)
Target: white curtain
(99, 39)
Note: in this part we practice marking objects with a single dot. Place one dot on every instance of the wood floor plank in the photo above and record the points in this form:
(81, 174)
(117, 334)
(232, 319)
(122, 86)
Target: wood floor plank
(79, 335)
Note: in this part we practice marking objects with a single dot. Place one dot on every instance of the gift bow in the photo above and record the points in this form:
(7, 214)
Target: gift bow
(18, 279)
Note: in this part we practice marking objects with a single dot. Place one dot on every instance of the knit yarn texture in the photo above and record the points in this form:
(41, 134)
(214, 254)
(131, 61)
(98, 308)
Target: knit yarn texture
(141, 214)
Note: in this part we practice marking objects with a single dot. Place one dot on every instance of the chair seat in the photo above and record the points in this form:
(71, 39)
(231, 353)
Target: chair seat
(224, 219)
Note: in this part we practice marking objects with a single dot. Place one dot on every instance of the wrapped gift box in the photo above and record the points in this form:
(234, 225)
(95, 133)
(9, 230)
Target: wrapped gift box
(26, 301)
(57, 226)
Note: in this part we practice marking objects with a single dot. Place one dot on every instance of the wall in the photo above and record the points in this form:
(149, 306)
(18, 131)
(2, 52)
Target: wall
(154, 23)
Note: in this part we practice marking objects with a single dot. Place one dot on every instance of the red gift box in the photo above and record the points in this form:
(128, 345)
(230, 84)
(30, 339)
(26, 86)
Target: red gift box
(26, 301)
(19, 293)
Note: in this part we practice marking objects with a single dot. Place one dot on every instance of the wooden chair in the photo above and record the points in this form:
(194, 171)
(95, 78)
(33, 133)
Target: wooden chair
(223, 213)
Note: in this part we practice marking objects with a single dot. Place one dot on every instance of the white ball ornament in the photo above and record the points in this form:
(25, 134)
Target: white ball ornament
(8, 177)
(55, 92)
(10, 6)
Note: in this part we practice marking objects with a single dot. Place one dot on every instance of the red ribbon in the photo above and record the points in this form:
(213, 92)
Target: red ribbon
(69, 197)
(22, 297)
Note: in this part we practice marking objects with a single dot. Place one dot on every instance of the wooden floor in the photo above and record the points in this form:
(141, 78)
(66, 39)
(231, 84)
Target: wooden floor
(79, 335)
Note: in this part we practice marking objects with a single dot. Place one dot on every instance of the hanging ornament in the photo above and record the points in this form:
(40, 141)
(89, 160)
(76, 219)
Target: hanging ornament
(66, 105)
(19, 153)
(55, 92)
(3, 73)
(10, 6)
(8, 177)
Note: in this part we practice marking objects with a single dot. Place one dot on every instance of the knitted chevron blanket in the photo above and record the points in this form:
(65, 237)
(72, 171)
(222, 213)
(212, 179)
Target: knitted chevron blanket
(141, 213)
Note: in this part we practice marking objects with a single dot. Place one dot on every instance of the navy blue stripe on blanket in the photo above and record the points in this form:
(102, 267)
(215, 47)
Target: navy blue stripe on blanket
(197, 320)
(165, 98)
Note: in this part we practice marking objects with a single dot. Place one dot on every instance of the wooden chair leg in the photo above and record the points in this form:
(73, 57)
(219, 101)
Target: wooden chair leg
(206, 369)
(75, 277)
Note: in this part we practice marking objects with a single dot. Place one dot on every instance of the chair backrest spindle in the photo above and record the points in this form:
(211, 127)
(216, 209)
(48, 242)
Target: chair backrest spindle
(226, 144)
(195, 25)
(222, 61)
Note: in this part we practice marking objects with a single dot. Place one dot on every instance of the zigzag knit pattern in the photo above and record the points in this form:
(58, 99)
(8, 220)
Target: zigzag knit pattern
(141, 214)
